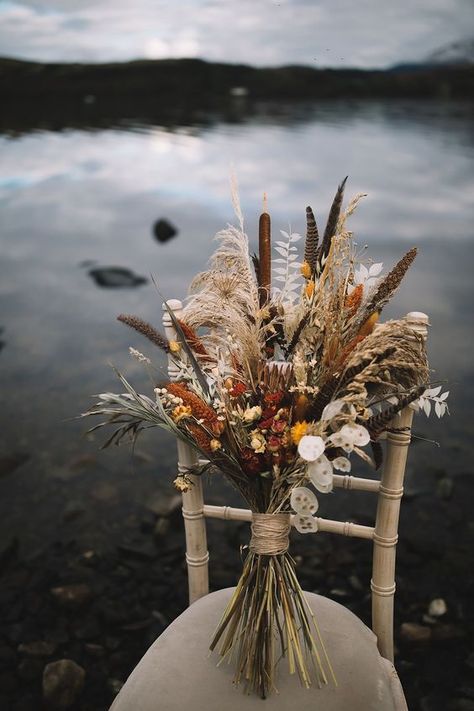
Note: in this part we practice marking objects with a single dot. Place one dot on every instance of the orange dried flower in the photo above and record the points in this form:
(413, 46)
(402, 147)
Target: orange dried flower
(309, 289)
(306, 270)
(201, 438)
(200, 410)
(354, 300)
(192, 338)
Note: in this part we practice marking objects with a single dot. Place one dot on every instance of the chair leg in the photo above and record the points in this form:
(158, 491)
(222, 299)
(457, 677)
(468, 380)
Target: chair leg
(197, 555)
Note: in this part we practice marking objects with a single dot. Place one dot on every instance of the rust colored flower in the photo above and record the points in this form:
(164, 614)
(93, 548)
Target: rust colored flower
(199, 409)
(273, 443)
(237, 390)
(354, 299)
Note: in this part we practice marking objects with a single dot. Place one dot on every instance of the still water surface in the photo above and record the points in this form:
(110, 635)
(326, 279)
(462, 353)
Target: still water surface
(76, 200)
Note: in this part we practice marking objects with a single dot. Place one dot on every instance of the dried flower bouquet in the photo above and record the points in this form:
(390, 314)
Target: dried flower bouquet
(279, 386)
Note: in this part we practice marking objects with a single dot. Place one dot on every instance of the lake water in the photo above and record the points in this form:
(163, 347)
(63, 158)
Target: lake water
(76, 200)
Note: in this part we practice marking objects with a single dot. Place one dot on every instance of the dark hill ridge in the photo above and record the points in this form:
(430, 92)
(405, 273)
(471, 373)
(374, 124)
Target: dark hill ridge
(176, 92)
(196, 82)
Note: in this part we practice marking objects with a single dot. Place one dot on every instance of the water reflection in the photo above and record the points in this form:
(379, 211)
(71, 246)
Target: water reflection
(89, 198)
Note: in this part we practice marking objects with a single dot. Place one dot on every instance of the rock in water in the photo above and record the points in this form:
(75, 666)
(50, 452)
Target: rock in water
(62, 683)
(116, 277)
(164, 230)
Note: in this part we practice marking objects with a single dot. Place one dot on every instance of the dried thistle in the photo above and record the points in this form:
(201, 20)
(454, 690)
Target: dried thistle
(146, 330)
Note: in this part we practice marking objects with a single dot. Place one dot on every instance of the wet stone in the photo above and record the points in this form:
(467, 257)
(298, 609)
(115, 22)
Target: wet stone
(116, 278)
(447, 632)
(40, 648)
(114, 685)
(413, 632)
(62, 683)
(72, 596)
(105, 492)
(163, 505)
(163, 230)
(437, 607)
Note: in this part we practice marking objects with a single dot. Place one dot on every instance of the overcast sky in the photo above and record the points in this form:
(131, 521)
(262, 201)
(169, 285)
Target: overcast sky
(365, 33)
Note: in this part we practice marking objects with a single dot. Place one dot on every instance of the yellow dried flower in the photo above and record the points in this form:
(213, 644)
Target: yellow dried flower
(368, 326)
(175, 347)
(298, 431)
(180, 412)
(215, 445)
(309, 289)
(182, 483)
(306, 270)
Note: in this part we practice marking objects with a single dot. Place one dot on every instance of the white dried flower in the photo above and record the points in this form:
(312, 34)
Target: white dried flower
(252, 413)
(139, 356)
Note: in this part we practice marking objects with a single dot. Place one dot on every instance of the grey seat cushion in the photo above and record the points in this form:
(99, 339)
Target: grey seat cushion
(177, 673)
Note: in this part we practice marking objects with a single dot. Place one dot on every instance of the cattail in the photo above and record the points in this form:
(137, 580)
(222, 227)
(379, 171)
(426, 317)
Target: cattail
(333, 219)
(312, 239)
(146, 330)
(264, 255)
(200, 410)
(389, 285)
(193, 339)
(378, 423)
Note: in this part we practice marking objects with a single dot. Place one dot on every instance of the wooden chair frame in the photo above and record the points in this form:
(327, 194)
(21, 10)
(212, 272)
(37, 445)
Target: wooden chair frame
(384, 534)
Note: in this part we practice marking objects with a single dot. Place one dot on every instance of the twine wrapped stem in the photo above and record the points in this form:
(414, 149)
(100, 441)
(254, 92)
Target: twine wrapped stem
(270, 533)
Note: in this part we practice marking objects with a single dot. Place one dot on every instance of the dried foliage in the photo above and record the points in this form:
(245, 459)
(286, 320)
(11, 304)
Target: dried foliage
(285, 383)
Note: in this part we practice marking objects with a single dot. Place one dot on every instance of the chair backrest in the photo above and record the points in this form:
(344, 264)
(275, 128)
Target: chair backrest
(384, 534)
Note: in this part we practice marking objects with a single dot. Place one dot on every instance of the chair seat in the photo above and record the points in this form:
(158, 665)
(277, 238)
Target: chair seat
(178, 673)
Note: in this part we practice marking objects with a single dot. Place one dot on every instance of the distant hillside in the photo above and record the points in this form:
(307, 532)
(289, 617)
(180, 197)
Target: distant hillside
(183, 91)
(457, 53)
(197, 82)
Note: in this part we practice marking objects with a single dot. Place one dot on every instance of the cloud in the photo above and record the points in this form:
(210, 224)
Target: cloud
(271, 32)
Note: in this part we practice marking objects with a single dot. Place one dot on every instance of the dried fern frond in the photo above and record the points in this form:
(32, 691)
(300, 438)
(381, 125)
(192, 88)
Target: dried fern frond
(146, 330)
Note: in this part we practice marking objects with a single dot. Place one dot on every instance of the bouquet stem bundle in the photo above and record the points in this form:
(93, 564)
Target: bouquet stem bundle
(268, 616)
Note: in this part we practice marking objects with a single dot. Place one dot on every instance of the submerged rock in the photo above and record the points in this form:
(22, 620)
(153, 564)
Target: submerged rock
(164, 230)
(62, 683)
(116, 277)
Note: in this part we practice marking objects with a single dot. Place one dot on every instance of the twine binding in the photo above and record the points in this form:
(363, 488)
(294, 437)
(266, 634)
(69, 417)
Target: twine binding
(270, 533)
